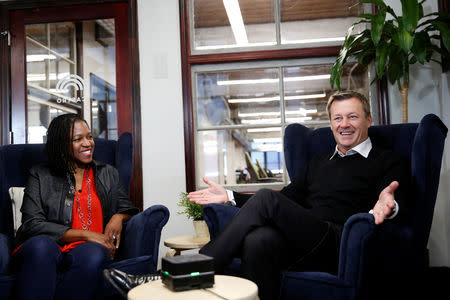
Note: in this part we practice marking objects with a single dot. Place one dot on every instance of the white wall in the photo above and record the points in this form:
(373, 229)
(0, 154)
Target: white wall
(162, 111)
(429, 93)
(162, 119)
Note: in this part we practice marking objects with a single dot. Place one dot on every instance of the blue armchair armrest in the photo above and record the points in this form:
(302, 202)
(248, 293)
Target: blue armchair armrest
(217, 216)
(364, 250)
(143, 233)
(4, 254)
(362, 263)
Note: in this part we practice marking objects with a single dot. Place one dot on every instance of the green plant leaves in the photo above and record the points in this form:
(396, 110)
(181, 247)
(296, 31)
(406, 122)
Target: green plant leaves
(191, 209)
(377, 25)
(396, 64)
(411, 12)
(396, 43)
(381, 58)
(420, 46)
(403, 38)
(336, 69)
(445, 33)
(349, 48)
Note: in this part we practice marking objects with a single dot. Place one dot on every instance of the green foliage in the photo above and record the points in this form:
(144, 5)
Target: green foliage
(191, 209)
(396, 43)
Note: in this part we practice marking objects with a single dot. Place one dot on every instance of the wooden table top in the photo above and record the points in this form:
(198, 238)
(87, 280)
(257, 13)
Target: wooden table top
(186, 242)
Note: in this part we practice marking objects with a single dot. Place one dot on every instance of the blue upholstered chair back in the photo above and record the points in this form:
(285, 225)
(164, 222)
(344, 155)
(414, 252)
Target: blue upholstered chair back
(421, 143)
(16, 160)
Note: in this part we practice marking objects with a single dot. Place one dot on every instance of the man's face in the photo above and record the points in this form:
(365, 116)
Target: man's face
(349, 123)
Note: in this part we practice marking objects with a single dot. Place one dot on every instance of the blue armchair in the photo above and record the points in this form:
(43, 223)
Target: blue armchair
(139, 248)
(372, 258)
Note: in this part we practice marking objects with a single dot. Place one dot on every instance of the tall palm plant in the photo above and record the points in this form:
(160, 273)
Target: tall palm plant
(395, 43)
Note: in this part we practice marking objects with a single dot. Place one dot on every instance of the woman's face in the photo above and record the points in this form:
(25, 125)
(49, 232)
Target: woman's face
(82, 144)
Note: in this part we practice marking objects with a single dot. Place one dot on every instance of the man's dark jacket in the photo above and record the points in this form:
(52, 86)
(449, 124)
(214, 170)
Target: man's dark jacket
(48, 202)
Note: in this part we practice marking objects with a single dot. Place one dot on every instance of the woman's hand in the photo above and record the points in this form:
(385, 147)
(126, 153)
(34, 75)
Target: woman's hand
(102, 239)
(113, 229)
(76, 235)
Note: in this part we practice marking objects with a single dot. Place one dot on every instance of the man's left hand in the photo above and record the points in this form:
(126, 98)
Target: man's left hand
(385, 204)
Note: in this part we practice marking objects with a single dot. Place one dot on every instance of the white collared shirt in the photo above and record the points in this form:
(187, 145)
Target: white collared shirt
(362, 148)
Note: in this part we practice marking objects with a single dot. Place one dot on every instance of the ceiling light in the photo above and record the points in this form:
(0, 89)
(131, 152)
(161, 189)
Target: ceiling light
(236, 21)
(273, 80)
(270, 129)
(262, 121)
(247, 100)
(268, 148)
(39, 57)
(267, 140)
(42, 76)
(321, 40)
(277, 98)
(300, 97)
(298, 120)
(307, 78)
(247, 81)
(303, 112)
(260, 114)
(276, 120)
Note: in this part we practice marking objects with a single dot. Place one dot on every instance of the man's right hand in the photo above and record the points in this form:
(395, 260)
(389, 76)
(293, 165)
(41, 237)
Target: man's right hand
(214, 194)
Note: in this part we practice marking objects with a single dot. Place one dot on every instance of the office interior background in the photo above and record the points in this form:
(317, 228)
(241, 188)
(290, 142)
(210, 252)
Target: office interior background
(163, 119)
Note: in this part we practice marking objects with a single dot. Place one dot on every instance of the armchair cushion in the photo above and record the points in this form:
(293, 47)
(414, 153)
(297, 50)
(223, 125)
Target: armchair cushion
(16, 195)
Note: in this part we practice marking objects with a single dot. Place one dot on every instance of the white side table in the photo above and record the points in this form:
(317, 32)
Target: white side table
(225, 287)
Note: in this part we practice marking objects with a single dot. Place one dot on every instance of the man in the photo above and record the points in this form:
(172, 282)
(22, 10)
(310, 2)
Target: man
(299, 228)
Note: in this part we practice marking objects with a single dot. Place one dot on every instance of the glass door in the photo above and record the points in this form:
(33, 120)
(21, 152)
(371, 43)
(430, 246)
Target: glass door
(68, 64)
(76, 58)
(60, 80)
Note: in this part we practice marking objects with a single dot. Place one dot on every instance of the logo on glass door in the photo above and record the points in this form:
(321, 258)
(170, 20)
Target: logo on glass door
(63, 87)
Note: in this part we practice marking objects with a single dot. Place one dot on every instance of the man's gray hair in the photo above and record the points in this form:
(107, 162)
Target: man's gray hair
(345, 95)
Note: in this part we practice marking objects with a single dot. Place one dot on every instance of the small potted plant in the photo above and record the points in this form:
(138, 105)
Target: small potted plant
(194, 211)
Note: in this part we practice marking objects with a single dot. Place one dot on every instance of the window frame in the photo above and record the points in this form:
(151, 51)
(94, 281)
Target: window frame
(190, 59)
(280, 65)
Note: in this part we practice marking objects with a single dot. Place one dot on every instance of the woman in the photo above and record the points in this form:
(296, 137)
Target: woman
(72, 215)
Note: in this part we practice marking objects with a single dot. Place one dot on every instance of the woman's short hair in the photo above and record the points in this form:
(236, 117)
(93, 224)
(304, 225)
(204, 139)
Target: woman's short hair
(59, 143)
(348, 95)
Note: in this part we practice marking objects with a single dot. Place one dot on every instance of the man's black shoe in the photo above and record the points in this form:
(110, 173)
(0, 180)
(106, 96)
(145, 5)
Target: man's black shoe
(124, 282)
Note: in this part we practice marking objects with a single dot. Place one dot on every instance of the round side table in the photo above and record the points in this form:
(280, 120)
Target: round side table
(184, 242)
(225, 287)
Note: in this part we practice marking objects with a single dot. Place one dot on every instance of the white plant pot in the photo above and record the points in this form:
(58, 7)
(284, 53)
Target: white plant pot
(201, 229)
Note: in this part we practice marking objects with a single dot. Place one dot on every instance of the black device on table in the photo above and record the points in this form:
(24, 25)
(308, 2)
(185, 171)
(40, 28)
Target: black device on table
(187, 272)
